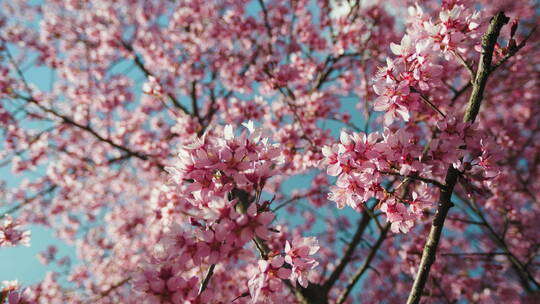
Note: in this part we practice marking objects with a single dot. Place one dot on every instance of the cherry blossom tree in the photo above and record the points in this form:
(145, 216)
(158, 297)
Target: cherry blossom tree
(271, 151)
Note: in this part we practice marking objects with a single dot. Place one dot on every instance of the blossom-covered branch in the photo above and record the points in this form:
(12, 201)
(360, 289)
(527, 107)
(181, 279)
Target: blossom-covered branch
(445, 201)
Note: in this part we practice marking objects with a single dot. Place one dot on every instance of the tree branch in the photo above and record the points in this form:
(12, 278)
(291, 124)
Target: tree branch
(28, 201)
(146, 72)
(484, 69)
(194, 103)
(105, 293)
(465, 64)
(426, 100)
(70, 121)
(460, 92)
(415, 177)
(362, 225)
(365, 266)
(513, 50)
(521, 270)
(30, 99)
(207, 278)
(267, 24)
(404, 186)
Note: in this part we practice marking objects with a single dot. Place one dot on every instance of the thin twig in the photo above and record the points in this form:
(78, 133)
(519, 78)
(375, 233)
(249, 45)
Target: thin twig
(30, 99)
(465, 64)
(513, 50)
(105, 293)
(207, 278)
(139, 63)
(28, 201)
(194, 102)
(426, 100)
(68, 120)
(461, 91)
(416, 177)
(267, 24)
(521, 270)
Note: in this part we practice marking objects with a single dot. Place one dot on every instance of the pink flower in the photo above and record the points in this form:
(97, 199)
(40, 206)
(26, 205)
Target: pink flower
(253, 224)
(298, 255)
(162, 279)
(397, 214)
(211, 245)
(267, 279)
(11, 235)
(14, 294)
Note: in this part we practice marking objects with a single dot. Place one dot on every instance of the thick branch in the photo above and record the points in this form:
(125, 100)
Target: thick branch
(362, 225)
(484, 67)
(365, 266)
(479, 84)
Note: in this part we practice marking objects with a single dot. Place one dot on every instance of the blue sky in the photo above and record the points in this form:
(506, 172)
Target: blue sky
(21, 263)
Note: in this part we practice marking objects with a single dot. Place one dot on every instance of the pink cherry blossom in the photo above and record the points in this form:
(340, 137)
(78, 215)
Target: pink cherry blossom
(297, 254)
(271, 151)
(12, 235)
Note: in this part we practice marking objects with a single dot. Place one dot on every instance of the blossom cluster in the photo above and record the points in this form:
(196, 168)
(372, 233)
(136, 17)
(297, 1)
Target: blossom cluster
(216, 165)
(11, 233)
(245, 216)
(402, 83)
(295, 264)
(360, 162)
(215, 174)
(13, 293)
